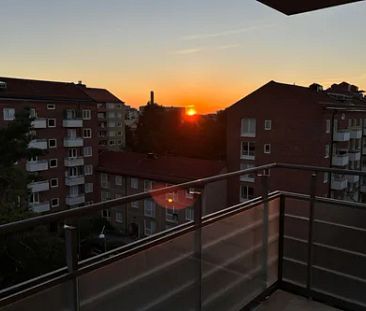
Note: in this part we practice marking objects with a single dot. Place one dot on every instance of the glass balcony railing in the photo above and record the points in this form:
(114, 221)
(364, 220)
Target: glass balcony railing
(227, 260)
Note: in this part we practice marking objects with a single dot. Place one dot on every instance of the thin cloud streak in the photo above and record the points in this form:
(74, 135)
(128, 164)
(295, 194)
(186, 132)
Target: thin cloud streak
(187, 51)
(226, 33)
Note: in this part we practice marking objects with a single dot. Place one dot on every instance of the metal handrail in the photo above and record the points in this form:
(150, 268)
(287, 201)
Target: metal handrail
(198, 183)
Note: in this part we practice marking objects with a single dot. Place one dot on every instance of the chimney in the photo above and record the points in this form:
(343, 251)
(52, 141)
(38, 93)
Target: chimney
(152, 102)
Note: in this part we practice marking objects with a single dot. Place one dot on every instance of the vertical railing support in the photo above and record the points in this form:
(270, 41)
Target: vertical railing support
(265, 190)
(281, 239)
(71, 241)
(198, 195)
(311, 234)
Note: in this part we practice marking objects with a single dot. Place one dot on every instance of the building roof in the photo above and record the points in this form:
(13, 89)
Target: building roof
(311, 94)
(162, 168)
(291, 7)
(41, 90)
(101, 95)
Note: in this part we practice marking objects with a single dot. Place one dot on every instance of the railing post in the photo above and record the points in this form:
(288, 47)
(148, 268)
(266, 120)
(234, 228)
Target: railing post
(265, 190)
(310, 234)
(198, 195)
(71, 243)
(281, 239)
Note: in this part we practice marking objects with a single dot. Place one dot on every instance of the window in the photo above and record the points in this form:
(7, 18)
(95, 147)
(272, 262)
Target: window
(267, 148)
(88, 169)
(106, 213)
(87, 133)
(88, 187)
(110, 106)
(51, 106)
(119, 217)
(247, 150)
(326, 151)
(326, 177)
(135, 204)
(327, 126)
(86, 114)
(247, 177)
(34, 198)
(88, 151)
(55, 202)
(105, 195)
(111, 142)
(246, 193)
(111, 124)
(72, 153)
(54, 182)
(149, 208)
(189, 213)
(53, 163)
(112, 133)
(134, 183)
(104, 180)
(171, 215)
(9, 114)
(149, 226)
(118, 180)
(248, 127)
(267, 125)
(51, 122)
(147, 185)
(52, 143)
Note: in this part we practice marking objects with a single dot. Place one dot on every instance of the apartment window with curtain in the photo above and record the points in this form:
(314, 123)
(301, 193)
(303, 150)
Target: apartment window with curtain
(248, 127)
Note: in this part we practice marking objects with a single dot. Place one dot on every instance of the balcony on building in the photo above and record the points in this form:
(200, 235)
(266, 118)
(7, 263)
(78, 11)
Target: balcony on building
(74, 180)
(72, 118)
(73, 142)
(356, 132)
(39, 186)
(38, 144)
(278, 251)
(40, 207)
(339, 182)
(36, 166)
(353, 178)
(341, 135)
(70, 162)
(39, 123)
(355, 155)
(364, 131)
(73, 123)
(72, 200)
(340, 159)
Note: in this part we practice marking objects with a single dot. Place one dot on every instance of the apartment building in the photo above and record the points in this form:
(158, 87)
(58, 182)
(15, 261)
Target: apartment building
(125, 173)
(111, 118)
(65, 127)
(304, 125)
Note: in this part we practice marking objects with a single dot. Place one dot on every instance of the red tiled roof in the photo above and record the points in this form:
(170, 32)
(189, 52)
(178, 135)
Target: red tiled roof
(163, 168)
(101, 95)
(41, 90)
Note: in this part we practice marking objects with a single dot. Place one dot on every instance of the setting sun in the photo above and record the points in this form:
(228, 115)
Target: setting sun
(191, 111)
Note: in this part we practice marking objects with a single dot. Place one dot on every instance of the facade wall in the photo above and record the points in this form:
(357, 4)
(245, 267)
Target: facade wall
(60, 152)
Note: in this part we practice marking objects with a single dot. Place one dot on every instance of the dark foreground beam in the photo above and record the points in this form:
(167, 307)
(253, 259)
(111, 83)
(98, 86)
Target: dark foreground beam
(290, 7)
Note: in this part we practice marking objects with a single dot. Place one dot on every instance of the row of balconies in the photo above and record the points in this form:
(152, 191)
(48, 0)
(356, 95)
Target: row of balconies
(343, 159)
(347, 134)
(41, 123)
(68, 142)
(42, 165)
(340, 182)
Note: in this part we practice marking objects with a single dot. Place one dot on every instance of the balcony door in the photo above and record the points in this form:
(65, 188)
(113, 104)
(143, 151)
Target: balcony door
(71, 133)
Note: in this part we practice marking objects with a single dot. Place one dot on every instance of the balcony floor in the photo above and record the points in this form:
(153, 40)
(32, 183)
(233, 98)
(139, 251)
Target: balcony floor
(284, 301)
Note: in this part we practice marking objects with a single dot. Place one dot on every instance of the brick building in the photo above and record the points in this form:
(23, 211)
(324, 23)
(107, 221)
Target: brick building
(126, 173)
(111, 118)
(66, 127)
(303, 125)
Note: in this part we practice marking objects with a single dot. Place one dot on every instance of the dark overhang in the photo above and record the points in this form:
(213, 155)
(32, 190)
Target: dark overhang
(290, 7)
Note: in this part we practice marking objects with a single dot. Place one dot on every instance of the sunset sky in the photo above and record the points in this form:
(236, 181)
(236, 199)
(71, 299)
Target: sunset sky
(205, 53)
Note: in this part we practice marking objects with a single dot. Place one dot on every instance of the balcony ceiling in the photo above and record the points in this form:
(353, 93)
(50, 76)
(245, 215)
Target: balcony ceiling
(290, 7)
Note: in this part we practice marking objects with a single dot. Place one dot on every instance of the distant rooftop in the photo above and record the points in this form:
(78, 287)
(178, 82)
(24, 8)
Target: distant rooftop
(101, 95)
(163, 168)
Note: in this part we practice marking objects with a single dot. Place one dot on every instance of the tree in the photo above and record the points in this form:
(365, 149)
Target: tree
(26, 254)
